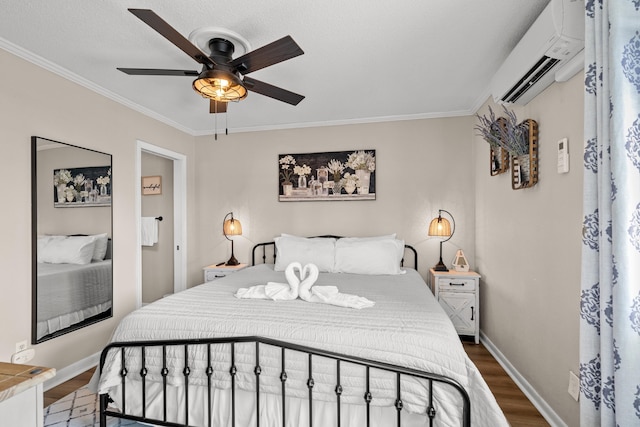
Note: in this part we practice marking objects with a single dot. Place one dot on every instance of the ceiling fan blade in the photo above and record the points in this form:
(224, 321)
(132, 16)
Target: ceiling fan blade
(221, 107)
(272, 91)
(157, 72)
(277, 51)
(167, 31)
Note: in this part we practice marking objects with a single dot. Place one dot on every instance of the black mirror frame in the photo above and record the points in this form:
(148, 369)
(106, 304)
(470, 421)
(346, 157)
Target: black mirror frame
(34, 248)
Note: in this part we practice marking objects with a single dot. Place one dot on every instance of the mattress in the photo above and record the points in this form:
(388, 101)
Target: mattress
(71, 293)
(406, 327)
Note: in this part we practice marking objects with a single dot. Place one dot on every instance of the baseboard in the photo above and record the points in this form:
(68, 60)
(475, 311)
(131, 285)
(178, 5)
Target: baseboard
(68, 372)
(541, 405)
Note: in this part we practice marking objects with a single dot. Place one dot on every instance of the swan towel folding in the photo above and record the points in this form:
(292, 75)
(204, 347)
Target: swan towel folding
(300, 284)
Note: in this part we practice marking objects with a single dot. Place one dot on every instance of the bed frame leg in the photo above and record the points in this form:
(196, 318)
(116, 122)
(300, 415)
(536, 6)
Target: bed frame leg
(103, 407)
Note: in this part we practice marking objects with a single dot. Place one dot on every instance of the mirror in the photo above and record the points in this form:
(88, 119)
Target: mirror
(72, 271)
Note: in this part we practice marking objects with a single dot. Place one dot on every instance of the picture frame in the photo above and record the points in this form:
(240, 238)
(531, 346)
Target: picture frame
(82, 187)
(327, 176)
(151, 185)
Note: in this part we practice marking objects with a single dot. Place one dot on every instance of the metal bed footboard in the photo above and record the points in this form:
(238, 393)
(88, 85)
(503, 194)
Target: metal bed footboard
(340, 359)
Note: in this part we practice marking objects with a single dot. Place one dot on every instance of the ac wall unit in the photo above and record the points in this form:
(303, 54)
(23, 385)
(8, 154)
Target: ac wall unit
(546, 49)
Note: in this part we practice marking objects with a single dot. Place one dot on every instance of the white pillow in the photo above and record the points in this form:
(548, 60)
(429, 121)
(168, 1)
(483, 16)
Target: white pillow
(315, 250)
(41, 243)
(100, 248)
(387, 236)
(68, 250)
(366, 256)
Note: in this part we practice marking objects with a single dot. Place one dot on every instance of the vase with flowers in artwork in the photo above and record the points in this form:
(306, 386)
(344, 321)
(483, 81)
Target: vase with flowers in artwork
(61, 178)
(336, 167)
(363, 163)
(287, 163)
(302, 172)
(349, 183)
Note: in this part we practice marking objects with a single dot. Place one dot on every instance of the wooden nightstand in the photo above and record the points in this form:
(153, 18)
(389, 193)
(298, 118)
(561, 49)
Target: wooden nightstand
(213, 272)
(459, 294)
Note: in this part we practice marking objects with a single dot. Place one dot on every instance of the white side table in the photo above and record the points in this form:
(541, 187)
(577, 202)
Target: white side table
(214, 272)
(21, 394)
(459, 294)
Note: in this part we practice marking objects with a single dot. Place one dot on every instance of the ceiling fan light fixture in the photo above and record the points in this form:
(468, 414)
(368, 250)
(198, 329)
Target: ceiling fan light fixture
(220, 86)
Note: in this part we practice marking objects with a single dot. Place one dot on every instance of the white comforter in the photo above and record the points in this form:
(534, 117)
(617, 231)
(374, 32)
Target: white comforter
(406, 327)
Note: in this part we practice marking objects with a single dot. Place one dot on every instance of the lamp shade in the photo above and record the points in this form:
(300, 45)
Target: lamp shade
(440, 227)
(232, 227)
(220, 86)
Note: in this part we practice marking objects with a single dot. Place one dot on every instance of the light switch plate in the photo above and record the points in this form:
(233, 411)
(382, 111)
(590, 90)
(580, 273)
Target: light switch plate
(574, 386)
(563, 156)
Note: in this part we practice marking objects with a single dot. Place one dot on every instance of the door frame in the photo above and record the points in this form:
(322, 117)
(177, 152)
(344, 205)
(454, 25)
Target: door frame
(179, 215)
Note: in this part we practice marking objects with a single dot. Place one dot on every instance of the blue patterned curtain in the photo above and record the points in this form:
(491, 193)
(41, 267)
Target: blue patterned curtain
(610, 290)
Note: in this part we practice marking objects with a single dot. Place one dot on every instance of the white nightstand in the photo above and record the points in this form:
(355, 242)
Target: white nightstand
(213, 272)
(21, 394)
(459, 294)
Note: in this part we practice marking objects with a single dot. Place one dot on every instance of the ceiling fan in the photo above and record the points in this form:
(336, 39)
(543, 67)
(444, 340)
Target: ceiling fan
(222, 78)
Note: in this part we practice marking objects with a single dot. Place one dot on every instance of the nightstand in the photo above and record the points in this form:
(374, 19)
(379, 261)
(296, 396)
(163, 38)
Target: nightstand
(214, 272)
(21, 399)
(459, 294)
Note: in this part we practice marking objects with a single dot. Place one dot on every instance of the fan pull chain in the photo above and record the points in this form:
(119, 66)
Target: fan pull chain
(215, 132)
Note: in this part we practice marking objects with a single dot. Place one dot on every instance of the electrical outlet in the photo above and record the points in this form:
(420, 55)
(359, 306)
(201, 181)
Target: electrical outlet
(21, 346)
(23, 356)
(574, 386)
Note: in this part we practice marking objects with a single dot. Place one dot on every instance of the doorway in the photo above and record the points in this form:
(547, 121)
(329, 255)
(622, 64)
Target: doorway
(171, 166)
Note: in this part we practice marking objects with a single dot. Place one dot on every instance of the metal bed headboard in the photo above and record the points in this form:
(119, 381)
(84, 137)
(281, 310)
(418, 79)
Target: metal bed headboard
(270, 247)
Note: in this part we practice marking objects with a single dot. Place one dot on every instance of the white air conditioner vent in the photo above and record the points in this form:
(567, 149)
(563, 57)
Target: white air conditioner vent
(555, 37)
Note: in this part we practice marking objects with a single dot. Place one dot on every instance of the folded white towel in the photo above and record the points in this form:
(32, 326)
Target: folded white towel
(300, 281)
(327, 294)
(254, 292)
(273, 290)
(148, 231)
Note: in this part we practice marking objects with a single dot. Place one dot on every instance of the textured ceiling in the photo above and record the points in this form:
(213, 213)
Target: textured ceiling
(364, 61)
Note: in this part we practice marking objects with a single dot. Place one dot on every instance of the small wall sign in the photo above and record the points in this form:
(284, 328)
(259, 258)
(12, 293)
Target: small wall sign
(151, 185)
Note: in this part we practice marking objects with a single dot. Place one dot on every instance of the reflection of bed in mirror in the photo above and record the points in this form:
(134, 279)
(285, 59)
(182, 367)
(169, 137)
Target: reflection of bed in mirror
(75, 292)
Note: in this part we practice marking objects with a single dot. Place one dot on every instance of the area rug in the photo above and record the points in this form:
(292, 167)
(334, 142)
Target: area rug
(79, 409)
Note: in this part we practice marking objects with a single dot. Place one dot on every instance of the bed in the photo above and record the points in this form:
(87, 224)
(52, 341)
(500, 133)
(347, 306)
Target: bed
(204, 357)
(74, 282)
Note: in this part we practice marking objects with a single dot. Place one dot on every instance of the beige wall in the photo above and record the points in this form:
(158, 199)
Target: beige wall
(421, 166)
(58, 109)
(528, 245)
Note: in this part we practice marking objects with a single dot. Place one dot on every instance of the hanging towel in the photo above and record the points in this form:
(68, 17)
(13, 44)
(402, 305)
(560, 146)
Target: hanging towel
(148, 231)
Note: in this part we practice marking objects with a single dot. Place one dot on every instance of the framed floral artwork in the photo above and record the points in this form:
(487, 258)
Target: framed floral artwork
(337, 175)
(82, 187)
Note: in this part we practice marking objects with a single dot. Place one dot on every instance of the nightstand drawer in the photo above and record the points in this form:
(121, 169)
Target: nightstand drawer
(211, 275)
(215, 272)
(456, 283)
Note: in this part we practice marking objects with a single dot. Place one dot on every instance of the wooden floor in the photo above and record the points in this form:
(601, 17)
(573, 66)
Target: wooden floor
(68, 387)
(515, 405)
(519, 411)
